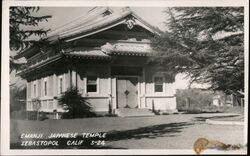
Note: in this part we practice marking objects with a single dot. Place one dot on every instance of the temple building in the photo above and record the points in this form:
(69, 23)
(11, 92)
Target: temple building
(105, 55)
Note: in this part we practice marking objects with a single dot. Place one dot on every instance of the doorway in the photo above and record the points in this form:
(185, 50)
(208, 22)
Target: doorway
(127, 92)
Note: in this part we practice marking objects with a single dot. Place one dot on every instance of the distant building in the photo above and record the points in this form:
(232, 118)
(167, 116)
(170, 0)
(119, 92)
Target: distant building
(231, 99)
(104, 54)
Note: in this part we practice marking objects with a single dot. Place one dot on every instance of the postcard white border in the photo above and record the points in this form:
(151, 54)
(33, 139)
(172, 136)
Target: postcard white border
(5, 115)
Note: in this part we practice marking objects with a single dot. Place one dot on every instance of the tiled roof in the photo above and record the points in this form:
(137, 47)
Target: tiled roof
(40, 64)
(96, 20)
(86, 53)
(88, 18)
(126, 48)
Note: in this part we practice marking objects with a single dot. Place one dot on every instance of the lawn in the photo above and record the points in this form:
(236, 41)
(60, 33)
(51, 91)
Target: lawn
(234, 118)
(177, 131)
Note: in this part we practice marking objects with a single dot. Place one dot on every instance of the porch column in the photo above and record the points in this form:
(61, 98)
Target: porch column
(232, 99)
(143, 89)
(28, 90)
(114, 102)
(73, 78)
(110, 89)
(54, 91)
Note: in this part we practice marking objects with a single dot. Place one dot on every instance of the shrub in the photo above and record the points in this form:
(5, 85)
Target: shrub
(32, 115)
(75, 105)
(110, 108)
(157, 112)
(17, 98)
(127, 106)
(20, 114)
(111, 115)
(42, 116)
(193, 99)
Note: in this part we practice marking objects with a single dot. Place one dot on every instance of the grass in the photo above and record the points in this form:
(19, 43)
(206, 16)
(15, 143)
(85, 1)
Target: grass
(214, 109)
(233, 118)
(156, 132)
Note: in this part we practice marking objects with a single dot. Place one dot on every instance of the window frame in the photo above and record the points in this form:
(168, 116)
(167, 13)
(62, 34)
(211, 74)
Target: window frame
(29, 105)
(34, 89)
(59, 91)
(97, 84)
(163, 84)
(45, 90)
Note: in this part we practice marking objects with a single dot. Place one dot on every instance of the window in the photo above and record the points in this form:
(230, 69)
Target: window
(60, 84)
(91, 84)
(158, 84)
(45, 88)
(29, 105)
(34, 90)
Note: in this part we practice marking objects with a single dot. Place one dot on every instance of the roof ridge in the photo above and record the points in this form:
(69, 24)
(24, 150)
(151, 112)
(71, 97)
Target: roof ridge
(96, 18)
(82, 19)
(116, 16)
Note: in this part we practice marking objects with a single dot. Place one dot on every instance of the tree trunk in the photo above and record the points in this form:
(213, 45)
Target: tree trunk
(187, 101)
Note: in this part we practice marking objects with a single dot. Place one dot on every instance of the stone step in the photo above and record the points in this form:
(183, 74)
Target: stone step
(133, 109)
(130, 112)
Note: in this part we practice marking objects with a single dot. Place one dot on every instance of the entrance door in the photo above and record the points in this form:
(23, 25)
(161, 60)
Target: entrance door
(127, 93)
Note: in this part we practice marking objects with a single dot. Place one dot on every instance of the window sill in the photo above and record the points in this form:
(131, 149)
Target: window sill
(95, 95)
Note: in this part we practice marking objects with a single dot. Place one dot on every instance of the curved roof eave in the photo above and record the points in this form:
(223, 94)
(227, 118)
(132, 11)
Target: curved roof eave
(102, 26)
(99, 27)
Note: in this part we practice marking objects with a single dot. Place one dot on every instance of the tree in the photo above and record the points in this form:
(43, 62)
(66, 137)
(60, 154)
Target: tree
(206, 43)
(36, 102)
(74, 104)
(17, 98)
(22, 23)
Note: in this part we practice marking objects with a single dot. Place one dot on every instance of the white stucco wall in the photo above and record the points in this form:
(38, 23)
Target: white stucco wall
(164, 101)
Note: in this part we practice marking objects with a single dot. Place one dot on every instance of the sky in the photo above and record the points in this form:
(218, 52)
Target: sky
(63, 15)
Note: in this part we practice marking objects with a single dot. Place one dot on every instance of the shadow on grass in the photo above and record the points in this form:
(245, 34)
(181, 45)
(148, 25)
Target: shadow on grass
(163, 130)
(151, 132)
(198, 111)
(213, 117)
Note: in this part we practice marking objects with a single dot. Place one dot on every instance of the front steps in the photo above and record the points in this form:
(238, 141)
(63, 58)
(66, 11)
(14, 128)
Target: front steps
(133, 112)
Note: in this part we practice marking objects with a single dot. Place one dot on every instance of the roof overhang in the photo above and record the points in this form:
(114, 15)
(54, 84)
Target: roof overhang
(93, 54)
(40, 64)
(98, 24)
